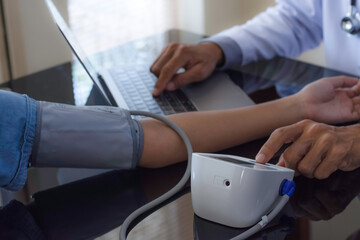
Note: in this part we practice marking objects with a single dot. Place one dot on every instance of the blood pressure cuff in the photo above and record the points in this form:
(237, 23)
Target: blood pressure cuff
(86, 137)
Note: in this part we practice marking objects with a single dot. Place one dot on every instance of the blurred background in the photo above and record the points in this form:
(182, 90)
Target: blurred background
(33, 43)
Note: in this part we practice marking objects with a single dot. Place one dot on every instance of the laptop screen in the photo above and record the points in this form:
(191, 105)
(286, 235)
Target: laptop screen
(79, 53)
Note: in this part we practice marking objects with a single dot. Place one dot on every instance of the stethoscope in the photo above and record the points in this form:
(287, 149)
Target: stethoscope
(351, 22)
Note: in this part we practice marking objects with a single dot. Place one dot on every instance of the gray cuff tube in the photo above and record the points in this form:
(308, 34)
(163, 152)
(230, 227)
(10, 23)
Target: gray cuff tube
(86, 137)
(232, 52)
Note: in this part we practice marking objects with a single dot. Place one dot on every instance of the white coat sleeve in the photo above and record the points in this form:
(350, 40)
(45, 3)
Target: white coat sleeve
(287, 29)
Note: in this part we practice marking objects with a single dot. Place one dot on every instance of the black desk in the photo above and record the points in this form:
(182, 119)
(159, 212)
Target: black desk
(85, 204)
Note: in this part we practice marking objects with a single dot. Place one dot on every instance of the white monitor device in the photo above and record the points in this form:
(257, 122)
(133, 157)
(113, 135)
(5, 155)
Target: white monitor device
(234, 191)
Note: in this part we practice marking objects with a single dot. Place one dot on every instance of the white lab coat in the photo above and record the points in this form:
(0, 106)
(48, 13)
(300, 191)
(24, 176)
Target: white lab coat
(290, 28)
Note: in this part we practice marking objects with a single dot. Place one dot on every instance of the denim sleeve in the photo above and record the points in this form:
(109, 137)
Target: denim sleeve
(17, 131)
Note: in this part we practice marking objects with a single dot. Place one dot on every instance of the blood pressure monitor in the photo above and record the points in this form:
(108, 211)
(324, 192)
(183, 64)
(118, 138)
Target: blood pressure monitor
(226, 189)
(235, 191)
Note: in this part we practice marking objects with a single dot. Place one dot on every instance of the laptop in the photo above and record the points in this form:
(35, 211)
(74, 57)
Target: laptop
(131, 88)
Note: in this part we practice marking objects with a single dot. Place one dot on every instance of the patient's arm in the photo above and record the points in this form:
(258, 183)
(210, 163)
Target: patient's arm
(329, 100)
(212, 131)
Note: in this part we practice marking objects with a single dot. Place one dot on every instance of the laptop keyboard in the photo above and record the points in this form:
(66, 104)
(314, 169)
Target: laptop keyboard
(136, 85)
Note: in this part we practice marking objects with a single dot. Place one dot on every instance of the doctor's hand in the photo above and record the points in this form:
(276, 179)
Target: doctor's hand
(316, 150)
(198, 60)
(331, 100)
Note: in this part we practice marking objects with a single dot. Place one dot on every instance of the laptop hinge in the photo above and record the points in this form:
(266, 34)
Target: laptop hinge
(106, 90)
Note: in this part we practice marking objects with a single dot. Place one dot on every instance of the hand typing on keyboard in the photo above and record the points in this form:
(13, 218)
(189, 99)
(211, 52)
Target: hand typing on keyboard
(136, 84)
(198, 60)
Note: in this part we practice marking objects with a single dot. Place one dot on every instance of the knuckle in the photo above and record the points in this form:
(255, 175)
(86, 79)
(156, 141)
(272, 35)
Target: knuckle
(182, 49)
(315, 128)
(306, 122)
(327, 139)
(289, 153)
(278, 132)
(305, 169)
(346, 164)
(338, 153)
(165, 70)
(173, 46)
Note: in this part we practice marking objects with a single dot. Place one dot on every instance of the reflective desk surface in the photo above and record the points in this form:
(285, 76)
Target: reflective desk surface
(92, 204)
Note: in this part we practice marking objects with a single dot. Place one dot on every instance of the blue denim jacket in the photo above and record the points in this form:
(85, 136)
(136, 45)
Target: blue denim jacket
(39, 129)
(17, 133)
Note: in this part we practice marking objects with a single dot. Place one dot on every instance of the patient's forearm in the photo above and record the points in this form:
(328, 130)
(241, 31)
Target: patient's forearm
(212, 131)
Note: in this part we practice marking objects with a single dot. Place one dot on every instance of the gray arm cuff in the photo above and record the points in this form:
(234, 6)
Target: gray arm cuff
(86, 137)
(232, 51)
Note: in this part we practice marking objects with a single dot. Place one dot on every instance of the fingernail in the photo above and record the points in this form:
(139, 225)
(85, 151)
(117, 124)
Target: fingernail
(155, 92)
(281, 162)
(170, 86)
(260, 158)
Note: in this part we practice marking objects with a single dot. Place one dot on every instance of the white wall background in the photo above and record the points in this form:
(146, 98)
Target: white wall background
(35, 42)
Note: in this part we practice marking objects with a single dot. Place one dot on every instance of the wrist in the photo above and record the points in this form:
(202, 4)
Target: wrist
(352, 134)
(216, 52)
(299, 107)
